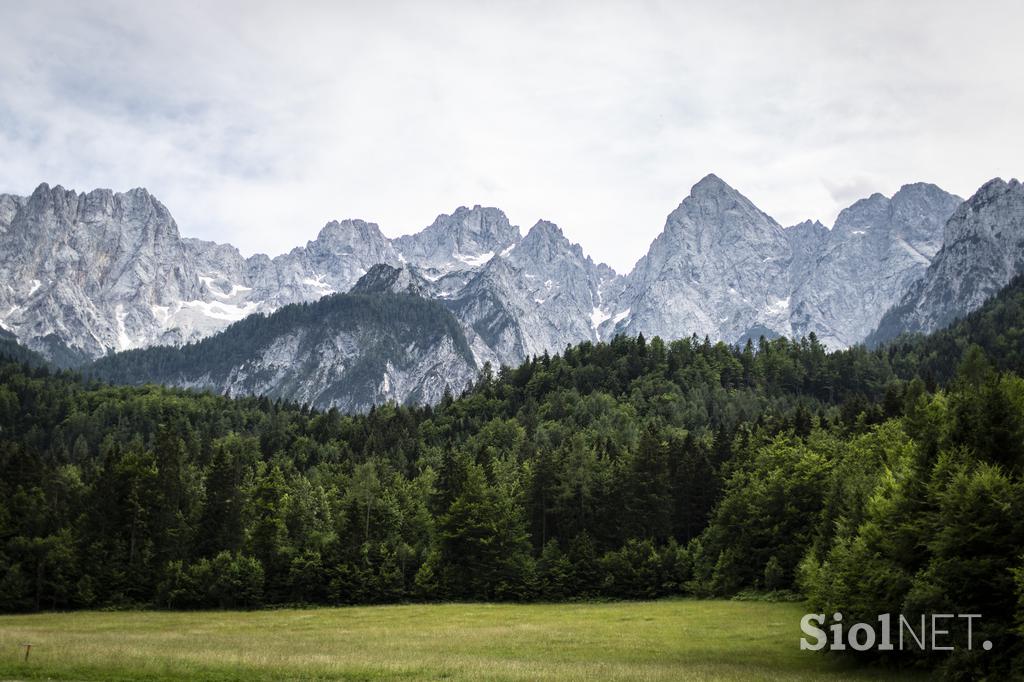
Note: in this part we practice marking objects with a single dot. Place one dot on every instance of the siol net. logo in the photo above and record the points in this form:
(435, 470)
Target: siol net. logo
(935, 632)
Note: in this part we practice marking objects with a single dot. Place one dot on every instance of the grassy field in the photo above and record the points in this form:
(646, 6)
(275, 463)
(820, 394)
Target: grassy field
(664, 640)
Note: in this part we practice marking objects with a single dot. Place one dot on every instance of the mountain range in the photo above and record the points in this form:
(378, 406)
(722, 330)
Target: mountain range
(90, 276)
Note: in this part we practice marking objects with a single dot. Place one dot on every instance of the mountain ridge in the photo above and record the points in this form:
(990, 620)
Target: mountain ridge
(982, 251)
(381, 346)
(721, 267)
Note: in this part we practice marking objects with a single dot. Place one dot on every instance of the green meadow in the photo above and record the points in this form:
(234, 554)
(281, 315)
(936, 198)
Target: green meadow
(661, 640)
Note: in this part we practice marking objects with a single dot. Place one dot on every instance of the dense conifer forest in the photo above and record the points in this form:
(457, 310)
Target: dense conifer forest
(870, 480)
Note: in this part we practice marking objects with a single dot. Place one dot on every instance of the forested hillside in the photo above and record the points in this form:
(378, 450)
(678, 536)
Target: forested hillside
(872, 481)
(350, 351)
(12, 351)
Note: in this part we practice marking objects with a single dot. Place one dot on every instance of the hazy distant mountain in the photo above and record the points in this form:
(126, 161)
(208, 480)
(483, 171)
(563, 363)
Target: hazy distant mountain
(983, 249)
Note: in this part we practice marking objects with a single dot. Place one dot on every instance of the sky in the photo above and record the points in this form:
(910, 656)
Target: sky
(256, 123)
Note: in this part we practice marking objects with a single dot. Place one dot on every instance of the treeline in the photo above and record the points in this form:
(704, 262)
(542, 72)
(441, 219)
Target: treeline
(922, 514)
(884, 479)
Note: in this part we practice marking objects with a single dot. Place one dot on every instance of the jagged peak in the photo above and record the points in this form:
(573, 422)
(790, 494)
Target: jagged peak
(994, 183)
(712, 190)
(349, 227)
(993, 188)
(490, 222)
(711, 182)
(920, 187)
(545, 233)
(808, 225)
(545, 242)
(137, 192)
(875, 203)
(99, 201)
(916, 192)
(102, 200)
(477, 208)
(873, 198)
(545, 229)
(992, 191)
(47, 192)
(381, 277)
(713, 196)
(45, 188)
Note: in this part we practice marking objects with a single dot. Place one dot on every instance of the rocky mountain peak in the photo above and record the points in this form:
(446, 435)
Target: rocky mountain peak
(863, 213)
(919, 189)
(995, 206)
(806, 239)
(982, 250)
(808, 228)
(383, 278)
(720, 268)
(546, 242)
(484, 227)
(714, 212)
(878, 247)
(711, 184)
(994, 188)
(348, 232)
(466, 238)
(124, 212)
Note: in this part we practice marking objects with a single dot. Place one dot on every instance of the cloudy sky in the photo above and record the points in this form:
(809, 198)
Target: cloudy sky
(255, 123)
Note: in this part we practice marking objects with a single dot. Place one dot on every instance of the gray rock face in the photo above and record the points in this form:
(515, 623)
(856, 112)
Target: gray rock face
(386, 279)
(93, 270)
(349, 351)
(720, 268)
(466, 239)
(806, 240)
(542, 295)
(337, 369)
(982, 250)
(876, 250)
(102, 272)
(333, 262)
(539, 294)
(724, 269)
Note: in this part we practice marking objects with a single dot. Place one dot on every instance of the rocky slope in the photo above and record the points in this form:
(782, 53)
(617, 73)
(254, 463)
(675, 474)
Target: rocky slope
(878, 247)
(982, 250)
(720, 268)
(466, 239)
(88, 274)
(724, 269)
(91, 271)
(541, 295)
(349, 351)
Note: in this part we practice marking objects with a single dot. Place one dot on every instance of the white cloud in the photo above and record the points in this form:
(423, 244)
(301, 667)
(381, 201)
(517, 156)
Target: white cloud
(256, 124)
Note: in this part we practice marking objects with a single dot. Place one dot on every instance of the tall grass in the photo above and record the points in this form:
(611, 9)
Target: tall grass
(664, 640)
